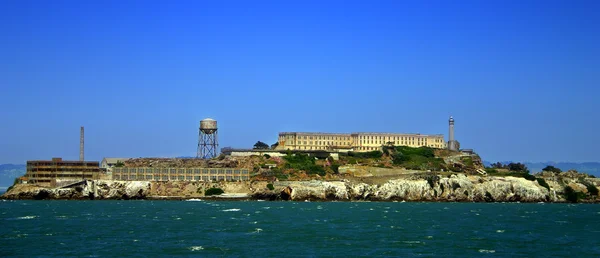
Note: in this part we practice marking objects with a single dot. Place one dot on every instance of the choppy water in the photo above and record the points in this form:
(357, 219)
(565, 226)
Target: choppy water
(291, 229)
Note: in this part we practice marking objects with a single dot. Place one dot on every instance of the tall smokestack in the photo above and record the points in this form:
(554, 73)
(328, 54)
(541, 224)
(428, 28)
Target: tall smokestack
(81, 145)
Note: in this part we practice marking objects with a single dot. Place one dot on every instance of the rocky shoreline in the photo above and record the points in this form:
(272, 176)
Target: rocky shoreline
(453, 188)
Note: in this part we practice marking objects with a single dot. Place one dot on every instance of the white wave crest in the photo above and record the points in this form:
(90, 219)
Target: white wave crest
(27, 217)
(487, 251)
(196, 248)
(194, 200)
(232, 210)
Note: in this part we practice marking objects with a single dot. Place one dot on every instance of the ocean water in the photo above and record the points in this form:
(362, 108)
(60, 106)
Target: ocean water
(296, 229)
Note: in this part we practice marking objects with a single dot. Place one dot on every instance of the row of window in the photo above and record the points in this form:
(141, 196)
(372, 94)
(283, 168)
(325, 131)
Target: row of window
(320, 137)
(178, 178)
(180, 170)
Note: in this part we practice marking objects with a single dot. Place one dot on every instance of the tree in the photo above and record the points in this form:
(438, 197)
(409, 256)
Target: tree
(261, 146)
(518, 167)
(119, 164)
(274, 145)
(552, 169)
(497, 165)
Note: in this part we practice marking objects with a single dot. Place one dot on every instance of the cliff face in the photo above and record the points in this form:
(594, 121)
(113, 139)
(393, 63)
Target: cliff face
(89, 189)
(456, 187)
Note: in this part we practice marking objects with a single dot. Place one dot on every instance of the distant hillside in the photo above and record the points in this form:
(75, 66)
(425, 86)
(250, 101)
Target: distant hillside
(592, 168)
(8, 173)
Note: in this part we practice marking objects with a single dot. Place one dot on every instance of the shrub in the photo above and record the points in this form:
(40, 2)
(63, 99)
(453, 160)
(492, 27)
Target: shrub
(573, 196)
(213, 191)
(271, 187)
(529, 177)
(302, 161)
(592, 189)
(366, 155)
(551, 169)
(491, 170)
(468, 161)
(543, 183)
(518, 167)
(267, 156)
(335, 168)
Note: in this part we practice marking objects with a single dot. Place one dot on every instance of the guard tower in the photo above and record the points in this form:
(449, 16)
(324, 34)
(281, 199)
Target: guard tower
(207, 139)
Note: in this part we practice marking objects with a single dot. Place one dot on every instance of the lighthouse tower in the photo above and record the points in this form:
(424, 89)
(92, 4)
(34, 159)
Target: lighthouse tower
(452, 143)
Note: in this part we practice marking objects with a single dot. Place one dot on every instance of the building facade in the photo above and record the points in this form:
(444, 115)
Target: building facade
(46, 172)
(359, 142)
(180, 174)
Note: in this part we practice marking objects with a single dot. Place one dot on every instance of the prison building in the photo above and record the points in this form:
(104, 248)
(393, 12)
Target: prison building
(47, 172)
(180, 174)
(358, 142)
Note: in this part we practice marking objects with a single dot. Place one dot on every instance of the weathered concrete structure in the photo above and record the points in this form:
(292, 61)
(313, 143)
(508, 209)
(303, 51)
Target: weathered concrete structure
(46, 172)
(179, 174)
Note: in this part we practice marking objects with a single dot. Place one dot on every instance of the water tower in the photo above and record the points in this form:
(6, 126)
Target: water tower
(207, 139)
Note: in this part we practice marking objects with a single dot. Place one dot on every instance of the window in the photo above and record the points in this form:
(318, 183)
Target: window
(213, 171)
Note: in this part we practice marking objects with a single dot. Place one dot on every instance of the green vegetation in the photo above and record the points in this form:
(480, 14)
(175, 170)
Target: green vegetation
(366, 155)
(552, 169)
(468, 161)
(267, 156)
(573, 196)
(213, 191)
(304, 162)
(335, 168)
(422, 158)
(270, 186)
(592, 189)
(119, 164)
(261, 146)
(529, 177)
(278, 173)
(491, 170)
(515, 167)
(543, 183)
(274, 145)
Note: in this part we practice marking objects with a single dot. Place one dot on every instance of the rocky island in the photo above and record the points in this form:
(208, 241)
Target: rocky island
(394, 174)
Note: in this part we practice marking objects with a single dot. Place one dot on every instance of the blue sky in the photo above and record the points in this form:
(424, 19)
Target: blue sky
(520, 77)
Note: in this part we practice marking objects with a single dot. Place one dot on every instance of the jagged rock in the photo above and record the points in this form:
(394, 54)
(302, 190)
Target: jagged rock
(457, 187)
